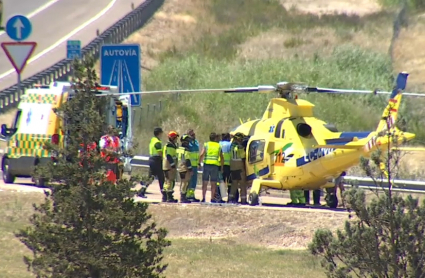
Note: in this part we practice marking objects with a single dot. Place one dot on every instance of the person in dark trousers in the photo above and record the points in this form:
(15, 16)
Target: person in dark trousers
(212, 157)
(194, 160)
(155, 164)
(238, 169)
(169, 165)
(184, 167)
(316, 197)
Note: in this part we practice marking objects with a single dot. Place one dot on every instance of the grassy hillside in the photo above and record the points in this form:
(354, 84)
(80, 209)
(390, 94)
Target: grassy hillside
(219, 43)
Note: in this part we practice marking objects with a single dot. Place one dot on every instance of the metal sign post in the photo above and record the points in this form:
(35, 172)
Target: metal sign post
(73, 51)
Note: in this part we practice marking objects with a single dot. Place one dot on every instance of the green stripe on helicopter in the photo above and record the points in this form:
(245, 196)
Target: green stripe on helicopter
(286, 151)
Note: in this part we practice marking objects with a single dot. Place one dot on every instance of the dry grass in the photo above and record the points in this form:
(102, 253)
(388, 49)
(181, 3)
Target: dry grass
(171, 27)
(194, 232)
(410, 54)
(14, 212)
(359, 7)
(275, 44)
(206, 241)
(226, 258)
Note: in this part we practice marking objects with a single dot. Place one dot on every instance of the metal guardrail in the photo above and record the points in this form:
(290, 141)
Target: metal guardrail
(10, 97)
(362, 182)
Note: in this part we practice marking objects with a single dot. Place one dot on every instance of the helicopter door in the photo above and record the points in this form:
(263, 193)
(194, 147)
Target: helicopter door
(258, 160)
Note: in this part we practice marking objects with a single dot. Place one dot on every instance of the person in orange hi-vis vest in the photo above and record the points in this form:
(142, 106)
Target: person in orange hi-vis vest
(109, 148)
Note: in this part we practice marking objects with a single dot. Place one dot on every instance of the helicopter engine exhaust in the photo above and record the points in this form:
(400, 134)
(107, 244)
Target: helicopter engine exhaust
(304, 129)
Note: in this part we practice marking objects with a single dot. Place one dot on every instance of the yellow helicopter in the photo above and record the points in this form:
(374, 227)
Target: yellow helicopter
(289, 148)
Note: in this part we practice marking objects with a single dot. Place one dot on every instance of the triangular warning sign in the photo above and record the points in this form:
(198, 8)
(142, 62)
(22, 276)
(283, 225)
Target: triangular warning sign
(18, 53)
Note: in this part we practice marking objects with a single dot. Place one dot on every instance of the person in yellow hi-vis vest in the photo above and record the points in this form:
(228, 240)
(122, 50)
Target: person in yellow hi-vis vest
(237, 169)
(184, 167)
(169, 165)
(194, 159)
(155, 164)
(210, 155)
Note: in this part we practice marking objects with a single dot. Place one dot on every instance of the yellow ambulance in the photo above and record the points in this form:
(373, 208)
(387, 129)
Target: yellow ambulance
(36, 123)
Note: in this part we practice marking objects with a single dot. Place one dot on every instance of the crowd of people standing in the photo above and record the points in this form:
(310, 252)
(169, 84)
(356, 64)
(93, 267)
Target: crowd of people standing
(222, 159)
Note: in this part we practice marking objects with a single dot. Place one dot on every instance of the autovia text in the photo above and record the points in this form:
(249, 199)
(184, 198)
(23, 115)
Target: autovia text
(120, 52)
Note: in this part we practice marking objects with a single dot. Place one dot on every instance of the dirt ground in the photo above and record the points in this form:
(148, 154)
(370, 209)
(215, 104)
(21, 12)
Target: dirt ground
(274, 229)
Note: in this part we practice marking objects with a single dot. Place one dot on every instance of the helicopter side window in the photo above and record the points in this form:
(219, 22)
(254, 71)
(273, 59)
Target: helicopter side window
(256, 151)
(277, 132)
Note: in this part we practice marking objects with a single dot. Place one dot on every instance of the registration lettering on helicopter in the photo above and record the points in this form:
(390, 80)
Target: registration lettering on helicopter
(314, 155)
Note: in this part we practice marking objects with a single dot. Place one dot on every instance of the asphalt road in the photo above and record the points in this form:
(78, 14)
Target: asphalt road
(12, 7)
(55, 24)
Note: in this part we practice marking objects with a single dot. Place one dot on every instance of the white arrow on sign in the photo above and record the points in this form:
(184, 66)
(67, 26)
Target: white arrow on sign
(18, 25)
(18, 53)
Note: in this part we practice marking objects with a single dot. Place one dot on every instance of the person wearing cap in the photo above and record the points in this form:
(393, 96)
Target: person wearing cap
(184, 167)
(194, 159)
(169, 164)
(238, 169)
(213, 160)
(155, 164)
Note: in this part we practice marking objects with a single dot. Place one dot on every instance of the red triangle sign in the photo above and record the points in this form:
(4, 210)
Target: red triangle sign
(18, 53)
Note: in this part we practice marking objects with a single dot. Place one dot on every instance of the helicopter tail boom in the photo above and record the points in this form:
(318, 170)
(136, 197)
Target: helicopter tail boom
(390, 114)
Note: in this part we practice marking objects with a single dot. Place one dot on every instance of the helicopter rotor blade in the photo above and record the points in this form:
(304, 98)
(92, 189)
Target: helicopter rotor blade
(260, 89)
(346, 91)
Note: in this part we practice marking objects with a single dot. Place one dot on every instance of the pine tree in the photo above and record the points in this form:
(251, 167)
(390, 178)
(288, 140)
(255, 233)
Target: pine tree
(87, 226)
(385, 238)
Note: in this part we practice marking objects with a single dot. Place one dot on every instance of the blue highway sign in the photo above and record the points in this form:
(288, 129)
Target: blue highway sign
(18, 27)
(120, 66)
(73, 50)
